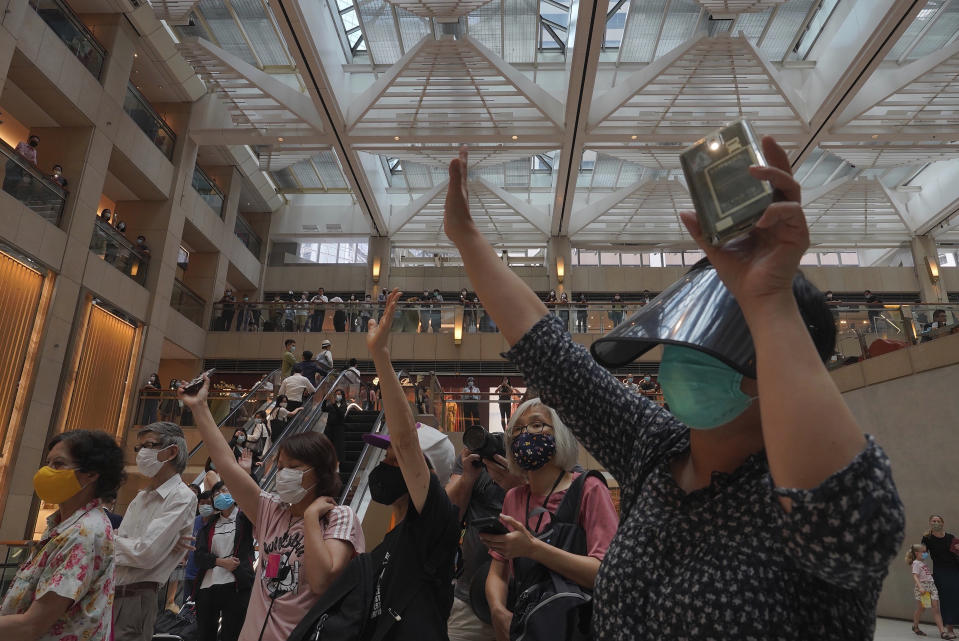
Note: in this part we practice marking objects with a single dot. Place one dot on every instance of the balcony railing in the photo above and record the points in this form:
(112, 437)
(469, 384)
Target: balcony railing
(208, 190)
(149, 121)
(187, 302)
(24, 182)
(246, 234)
(114, 248)
(68, 27)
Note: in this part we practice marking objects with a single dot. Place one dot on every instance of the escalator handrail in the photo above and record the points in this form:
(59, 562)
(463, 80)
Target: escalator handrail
(312, 409)
(232, 412)
(378, 426)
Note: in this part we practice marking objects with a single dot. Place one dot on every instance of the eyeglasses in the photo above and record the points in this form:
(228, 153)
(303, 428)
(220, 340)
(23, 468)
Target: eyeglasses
(536, 427)
(150, 445)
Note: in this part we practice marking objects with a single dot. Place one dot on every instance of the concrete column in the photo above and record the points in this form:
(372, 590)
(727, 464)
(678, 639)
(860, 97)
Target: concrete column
(379, 251)
(117, 35)
(558, 256)
(925, 255)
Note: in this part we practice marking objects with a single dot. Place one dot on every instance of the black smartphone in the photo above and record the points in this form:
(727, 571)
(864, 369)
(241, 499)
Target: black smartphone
(191, 388)
(489, 525)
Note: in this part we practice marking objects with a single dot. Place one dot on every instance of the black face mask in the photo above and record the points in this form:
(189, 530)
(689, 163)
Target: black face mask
(387, 484)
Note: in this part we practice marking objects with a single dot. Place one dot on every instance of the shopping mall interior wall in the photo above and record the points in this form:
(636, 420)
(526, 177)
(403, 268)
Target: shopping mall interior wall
(922, 447)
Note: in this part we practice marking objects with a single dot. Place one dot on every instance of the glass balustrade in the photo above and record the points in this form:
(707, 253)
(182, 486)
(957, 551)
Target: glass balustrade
(74, 34)
(114, 248)
(27, 184)
(249, 237)
(188, 303)
(147, 119)
(208, 191)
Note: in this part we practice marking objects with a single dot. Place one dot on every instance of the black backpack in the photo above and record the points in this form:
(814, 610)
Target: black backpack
(548, 606)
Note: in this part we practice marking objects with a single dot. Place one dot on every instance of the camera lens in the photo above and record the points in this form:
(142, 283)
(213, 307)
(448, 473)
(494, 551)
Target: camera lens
(474, 437)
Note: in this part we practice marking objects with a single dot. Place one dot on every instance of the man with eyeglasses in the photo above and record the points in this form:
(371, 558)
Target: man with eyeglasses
(156, 531)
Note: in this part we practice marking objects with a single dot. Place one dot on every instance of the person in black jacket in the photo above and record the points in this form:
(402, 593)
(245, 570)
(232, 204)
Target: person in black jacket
(224, 560)
(336, 411)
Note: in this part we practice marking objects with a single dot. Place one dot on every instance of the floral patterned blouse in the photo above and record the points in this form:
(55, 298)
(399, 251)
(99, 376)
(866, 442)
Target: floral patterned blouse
(74, 560)
(725, 561)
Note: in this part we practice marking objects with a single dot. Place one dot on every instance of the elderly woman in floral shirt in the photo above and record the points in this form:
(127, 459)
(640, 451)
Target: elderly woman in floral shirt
(65, 591)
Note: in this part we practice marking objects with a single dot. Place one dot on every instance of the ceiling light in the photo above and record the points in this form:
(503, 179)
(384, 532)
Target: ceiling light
(515, 137)
(634, 137)
(874, 136)
(280, 139)
(714, 145)
(136, 55)
(396, 138)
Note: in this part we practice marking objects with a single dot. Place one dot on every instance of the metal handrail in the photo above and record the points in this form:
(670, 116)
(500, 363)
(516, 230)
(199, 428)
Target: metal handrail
(120, 239)
(57, 193)
(253, 239)
(236, 409)
(190, 296)
(158, 120)
(204, 185)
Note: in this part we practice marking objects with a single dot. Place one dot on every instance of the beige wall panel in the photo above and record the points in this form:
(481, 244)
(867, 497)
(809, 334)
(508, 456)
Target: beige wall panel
(309, 278)
(111, 284)
(185, 333)
(950, 278)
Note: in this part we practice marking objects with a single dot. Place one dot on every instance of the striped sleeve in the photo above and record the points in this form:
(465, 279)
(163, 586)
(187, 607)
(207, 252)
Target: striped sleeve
(341, 523)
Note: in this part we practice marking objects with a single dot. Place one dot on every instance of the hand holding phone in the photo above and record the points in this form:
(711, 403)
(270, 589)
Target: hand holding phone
(489, 525)
(191, 388)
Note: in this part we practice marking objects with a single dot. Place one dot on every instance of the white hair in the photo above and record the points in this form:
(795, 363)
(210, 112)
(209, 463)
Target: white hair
(567, 447)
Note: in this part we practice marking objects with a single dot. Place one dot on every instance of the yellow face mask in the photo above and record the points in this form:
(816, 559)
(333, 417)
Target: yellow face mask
(55, 486)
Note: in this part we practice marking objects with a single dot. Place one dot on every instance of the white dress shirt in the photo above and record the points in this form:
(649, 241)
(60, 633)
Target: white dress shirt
(152, 527)
(294, 386)
(224, 537)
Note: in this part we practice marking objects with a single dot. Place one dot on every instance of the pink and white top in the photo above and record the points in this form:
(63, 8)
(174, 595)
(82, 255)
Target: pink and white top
(922, 570)
(279, 574)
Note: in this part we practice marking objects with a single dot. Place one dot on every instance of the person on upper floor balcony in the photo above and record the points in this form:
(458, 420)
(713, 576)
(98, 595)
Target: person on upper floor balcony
(725, 500)
(56, 175)
(318, 315)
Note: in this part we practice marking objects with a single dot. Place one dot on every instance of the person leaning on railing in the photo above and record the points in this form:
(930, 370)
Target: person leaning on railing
(736, 515)
(65, 589)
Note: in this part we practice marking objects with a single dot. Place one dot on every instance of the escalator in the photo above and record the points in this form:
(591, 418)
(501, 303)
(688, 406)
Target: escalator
(356, 423)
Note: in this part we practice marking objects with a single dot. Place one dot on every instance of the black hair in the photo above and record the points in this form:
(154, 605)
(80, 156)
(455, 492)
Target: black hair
(216, 487)
(352, 362)
(209, 464)
(194, 487)
(205, 496)
(938, 311)
(317, 451)
(297, 369)
(815, 313)
(288, 342)
(307, 355)
(95, 452)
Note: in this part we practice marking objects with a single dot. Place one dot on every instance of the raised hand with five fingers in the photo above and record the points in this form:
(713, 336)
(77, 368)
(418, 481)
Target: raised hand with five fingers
(456, 219)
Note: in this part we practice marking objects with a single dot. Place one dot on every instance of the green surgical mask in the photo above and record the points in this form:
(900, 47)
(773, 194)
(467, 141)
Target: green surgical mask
(702, 392)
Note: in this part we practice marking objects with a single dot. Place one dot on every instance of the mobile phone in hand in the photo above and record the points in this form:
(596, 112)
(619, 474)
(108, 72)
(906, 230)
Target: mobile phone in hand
(489, 525)
(191, 388)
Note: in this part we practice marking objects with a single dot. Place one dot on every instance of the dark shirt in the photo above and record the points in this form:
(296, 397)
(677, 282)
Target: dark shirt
(425, 539)
(242, 550)
(486, 500)
(942, 557)
(726, 561)
(310, 368)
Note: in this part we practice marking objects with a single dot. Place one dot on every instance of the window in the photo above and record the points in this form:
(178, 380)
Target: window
(829, 259)
(947, 259)
(849, 258)
(346, 251)
(809, 259)
(588, 257)
(609, 258)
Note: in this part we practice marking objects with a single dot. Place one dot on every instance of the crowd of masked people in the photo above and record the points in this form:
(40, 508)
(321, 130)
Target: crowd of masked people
(736, 505)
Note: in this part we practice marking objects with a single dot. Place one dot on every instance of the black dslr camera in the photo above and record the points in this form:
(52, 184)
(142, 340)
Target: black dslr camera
(479, 441)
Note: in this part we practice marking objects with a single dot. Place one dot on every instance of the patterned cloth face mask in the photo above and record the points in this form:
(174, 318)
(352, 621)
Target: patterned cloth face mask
(533, 451)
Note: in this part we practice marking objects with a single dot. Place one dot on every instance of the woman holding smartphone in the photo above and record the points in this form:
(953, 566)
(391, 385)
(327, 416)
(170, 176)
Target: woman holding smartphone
(306, 539)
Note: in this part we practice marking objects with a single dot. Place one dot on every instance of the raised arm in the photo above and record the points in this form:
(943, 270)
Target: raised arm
(515, 307)
(242, 486)
(808, 430)
(399, 417)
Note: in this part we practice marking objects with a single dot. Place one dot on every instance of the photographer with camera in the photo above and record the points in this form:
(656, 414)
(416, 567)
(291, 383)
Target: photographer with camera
(477, 486)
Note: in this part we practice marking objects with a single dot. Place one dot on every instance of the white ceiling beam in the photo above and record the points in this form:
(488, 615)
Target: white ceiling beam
(793, 98)
(810, 196)
(359, 106)
(887, 82)
(534, 216)
(538, 97)
(252, 136)
(295, 102)
(587, 29)
(406, 214)
(938, 198)
(593, 211)
(907, 218)
(604, 106)
(312, 39)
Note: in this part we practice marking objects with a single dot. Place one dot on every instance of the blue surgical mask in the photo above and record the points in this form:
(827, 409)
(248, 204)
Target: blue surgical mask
(206, 510)
(223, 501)
(702, 392)
(925, 556)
